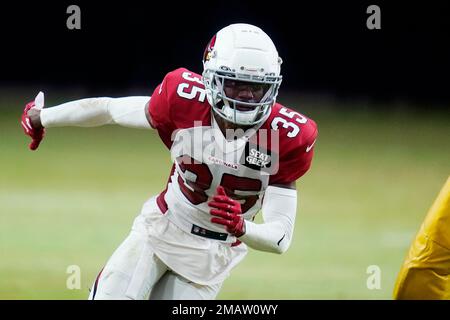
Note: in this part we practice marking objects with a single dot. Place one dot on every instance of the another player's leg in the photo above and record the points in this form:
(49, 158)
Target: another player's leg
(425, 273)
(172, 286)
(130, 273)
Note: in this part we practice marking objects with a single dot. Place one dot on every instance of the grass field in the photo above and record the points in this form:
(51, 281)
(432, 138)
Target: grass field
(72, 202)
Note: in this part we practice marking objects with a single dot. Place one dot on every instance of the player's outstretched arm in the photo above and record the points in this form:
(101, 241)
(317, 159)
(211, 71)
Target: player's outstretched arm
(279, 210)
(90, 112)
(93, 112)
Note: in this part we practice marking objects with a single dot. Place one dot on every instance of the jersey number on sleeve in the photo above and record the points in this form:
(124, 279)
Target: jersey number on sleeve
(189, 90)
(295, 129)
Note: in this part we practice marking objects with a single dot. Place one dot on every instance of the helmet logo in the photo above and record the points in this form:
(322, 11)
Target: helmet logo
(251, 69)
(209, 48)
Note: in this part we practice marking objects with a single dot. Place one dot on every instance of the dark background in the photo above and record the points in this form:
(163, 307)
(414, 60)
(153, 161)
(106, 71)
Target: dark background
(374, 174)
(326, 46)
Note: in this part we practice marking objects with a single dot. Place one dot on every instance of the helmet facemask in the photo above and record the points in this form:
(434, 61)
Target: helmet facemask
(239, 111)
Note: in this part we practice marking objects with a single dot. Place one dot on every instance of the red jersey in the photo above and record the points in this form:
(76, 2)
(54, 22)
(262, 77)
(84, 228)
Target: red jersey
(279, 152)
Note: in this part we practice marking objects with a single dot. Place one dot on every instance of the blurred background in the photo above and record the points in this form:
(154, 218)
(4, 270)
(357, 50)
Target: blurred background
(381, 100)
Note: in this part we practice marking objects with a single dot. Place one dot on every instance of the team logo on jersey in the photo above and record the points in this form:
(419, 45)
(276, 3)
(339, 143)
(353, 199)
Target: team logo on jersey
(261, 152)
(257, 158)
(221, 162)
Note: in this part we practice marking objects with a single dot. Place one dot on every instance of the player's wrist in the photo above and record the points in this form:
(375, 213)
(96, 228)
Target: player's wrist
(241, 229)
(34, 115)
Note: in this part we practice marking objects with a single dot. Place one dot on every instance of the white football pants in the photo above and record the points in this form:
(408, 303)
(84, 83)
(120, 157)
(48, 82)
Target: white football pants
(134, 272)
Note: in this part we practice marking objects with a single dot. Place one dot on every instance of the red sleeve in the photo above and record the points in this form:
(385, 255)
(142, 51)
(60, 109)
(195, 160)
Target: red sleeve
(296, 156)
(170, 111)
(160, 112)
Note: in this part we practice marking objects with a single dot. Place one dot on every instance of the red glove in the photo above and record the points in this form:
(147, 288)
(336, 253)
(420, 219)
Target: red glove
(228, 211)
(36, 134)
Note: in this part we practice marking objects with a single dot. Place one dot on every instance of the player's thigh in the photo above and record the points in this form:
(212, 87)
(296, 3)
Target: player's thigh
(172, 286)
(130, 273)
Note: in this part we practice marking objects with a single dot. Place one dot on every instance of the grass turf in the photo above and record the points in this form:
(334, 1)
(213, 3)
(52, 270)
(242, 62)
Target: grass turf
(73, 201)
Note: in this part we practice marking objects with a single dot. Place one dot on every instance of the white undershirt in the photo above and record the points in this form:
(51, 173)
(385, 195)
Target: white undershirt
(92, 112)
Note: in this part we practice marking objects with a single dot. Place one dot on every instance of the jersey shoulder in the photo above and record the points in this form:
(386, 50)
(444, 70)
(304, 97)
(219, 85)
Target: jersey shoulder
(181, 98)
(296, 136)
(179, 102)
(296, 130)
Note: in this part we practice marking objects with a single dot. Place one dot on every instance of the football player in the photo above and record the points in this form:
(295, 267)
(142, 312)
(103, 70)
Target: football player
(425, 273)
(235, 151)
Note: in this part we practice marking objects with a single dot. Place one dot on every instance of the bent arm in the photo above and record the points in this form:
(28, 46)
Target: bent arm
(92, 112)
(275, 234)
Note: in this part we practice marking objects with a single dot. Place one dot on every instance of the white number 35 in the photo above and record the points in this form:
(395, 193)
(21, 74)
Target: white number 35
(195, 92)
(289, 124)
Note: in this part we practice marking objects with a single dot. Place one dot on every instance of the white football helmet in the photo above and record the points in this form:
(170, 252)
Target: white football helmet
(244, 54)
